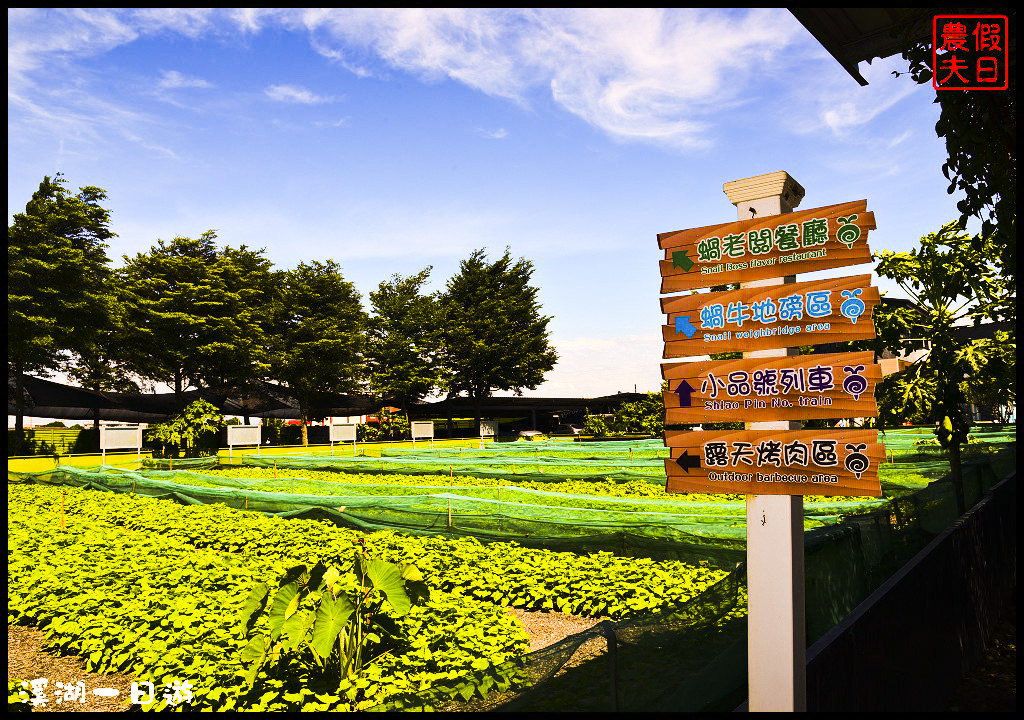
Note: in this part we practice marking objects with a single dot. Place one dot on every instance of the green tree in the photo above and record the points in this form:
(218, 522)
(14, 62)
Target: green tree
(401, 348)
(493, 335)
(980, 131)
(317, 337)
(951, 277)
(646, 416)
(251, 285)
(200, 314)
(100, 361)
(57, 270)
(186, 430)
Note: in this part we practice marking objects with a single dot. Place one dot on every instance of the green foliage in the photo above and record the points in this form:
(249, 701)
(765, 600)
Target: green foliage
(57, 278)
(493, 335)
(317, 336)
(328, 622)
(19, 695)
(188, 429)
(980, 130)
(154, 588)
(950, 277)
(646, 416)
(402, 352)
(595, 425)
(389, 426)
(197, 314)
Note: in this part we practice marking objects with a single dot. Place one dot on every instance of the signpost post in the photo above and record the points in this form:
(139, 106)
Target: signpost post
(773, 462)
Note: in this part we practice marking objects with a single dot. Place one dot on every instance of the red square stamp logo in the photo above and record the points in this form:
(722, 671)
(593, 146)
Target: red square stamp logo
(970, 52)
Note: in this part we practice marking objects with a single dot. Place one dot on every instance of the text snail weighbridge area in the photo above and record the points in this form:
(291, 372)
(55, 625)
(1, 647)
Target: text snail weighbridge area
(773, 462)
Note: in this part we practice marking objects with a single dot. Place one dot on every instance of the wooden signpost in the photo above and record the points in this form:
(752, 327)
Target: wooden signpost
(798, 387)
(779, 316)
(797, 242)
(773, 462)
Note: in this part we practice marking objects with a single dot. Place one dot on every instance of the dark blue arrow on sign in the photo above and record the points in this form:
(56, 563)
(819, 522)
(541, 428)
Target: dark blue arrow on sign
(686, 462)
(684, 390)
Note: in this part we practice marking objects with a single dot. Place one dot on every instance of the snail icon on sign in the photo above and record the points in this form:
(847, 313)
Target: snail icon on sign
(857, 462)
(855, 383)
(853, 306)
(848, 233)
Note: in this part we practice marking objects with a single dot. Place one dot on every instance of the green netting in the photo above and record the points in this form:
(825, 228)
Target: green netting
(693, 658)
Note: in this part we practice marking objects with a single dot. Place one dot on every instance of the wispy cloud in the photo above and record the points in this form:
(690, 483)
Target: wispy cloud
(643, 74)
(294, 94)
(499, 134)
(171, 79)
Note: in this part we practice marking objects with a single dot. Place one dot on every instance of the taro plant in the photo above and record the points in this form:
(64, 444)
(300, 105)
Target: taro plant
(334, 623)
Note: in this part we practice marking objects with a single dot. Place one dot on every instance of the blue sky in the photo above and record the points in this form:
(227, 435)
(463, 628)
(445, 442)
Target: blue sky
(390, 140)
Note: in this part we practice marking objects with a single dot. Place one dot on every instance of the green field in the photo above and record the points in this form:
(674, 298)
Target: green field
(151, 578)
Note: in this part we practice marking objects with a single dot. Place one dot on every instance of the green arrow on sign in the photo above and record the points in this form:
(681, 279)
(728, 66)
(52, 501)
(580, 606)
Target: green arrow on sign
(680, 260)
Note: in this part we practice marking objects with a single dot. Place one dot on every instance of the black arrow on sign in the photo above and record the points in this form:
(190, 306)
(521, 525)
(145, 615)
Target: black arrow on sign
(684, 391)
(686, 462)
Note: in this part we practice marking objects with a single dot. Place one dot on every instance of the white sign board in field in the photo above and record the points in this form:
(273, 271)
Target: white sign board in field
(422, 429)
(244, 435)
(345, 432)
(120, 437)
(487, 429)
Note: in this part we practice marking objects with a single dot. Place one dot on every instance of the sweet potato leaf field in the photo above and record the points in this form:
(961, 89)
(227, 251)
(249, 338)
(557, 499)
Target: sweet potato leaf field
(211, 576)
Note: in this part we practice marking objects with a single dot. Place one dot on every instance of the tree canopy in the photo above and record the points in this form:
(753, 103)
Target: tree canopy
(317, 335)
(980, 131)
(57, 279)
(493, 334)
(402, 341)
(951, 278)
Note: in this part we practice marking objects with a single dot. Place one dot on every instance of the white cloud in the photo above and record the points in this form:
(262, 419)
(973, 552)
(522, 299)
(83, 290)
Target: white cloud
(499, 134)
(171, 79)
(294, 94)
(650, 74)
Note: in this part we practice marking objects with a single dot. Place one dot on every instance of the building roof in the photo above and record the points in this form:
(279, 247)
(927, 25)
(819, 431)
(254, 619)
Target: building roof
(854, 35)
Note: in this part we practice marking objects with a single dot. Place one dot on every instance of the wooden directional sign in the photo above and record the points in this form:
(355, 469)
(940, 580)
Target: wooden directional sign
(774, 462)
(775, 246)
(801, 387)
(776, 316)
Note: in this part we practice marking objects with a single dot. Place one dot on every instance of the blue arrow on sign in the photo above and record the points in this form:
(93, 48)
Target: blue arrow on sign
(684, 326)
(684, 391)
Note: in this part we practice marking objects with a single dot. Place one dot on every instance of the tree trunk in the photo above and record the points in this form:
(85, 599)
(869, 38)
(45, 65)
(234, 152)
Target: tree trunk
(96, 426)
(303, 431)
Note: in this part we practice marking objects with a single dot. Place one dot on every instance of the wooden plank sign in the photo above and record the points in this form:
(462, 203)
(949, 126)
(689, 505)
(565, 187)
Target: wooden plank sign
(775, 462)
(801, 387)
(775, 246)
(775, 316)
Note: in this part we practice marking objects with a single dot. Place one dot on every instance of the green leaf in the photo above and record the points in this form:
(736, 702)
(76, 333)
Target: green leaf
(387, 578)
(331, 617)
(285, 603)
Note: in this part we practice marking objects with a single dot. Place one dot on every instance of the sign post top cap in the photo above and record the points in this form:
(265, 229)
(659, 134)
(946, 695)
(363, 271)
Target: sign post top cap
(777, 184)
